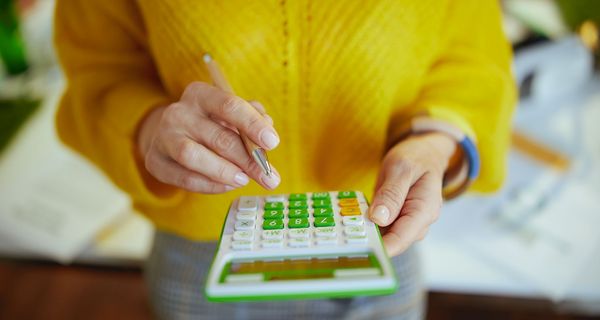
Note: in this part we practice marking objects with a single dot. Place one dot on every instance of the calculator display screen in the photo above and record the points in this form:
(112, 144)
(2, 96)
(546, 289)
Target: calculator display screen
(301, 268)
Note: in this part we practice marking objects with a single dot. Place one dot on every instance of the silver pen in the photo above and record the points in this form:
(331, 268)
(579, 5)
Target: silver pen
(258, 153)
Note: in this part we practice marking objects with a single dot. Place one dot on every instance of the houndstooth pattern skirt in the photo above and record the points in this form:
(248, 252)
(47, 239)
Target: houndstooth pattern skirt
(176, 271)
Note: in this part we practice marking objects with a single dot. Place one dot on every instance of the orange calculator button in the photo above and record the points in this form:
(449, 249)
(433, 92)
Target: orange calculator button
(348, 203)
(350, 211)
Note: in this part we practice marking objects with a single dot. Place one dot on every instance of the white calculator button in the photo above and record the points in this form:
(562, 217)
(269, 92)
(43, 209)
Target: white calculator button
(246, 215)
(325, 232)
(299, 233)
(272, 234)
(248, 204)
(298, 242)
(243, 235)
(272, 243)
(326, 241)
(354, 231)
(241, 245)
(356, 239)
(275, 198)
(244, 225)
(353, 220)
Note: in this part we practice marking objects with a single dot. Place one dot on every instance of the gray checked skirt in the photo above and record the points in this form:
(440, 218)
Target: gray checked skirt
(176, 270)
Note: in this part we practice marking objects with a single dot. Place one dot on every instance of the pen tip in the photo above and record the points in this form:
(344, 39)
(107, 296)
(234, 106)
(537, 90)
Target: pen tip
(207, 58)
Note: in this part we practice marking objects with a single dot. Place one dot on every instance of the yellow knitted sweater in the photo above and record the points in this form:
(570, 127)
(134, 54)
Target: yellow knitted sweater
(334, 75)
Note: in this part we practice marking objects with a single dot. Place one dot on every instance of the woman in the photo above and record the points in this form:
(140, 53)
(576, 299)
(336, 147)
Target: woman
(339, 84)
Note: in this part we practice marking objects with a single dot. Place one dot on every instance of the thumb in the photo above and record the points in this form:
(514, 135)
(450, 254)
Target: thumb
(390, 195)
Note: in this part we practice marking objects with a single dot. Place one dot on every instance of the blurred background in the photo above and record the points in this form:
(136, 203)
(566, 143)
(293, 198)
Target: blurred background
(71, 246)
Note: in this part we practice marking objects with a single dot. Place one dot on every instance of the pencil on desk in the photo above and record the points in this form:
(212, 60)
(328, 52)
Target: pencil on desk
(256, 152)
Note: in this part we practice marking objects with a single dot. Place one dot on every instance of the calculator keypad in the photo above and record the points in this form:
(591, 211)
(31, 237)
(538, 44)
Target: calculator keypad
(298, 221)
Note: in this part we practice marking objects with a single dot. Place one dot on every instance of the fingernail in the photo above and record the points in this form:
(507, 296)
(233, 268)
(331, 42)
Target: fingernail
(229, 188)
(380, 214)
(271, 182)
(269, 139)
(241, 179)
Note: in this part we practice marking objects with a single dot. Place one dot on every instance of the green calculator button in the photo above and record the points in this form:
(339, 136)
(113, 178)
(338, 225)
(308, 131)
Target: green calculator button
(298, 213)
(274, 205)
(271, 224)
(346, 194)
(273, 214)
(324, 222)
(299, 204)
(298, 223)
(323, 212)
(297, 197)
(320, 195)
(325, 203)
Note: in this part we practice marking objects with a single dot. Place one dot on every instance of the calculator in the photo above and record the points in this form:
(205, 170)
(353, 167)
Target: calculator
(301, 245)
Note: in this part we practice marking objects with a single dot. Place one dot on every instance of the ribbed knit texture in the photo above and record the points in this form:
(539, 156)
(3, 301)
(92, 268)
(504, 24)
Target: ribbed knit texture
(335, 76)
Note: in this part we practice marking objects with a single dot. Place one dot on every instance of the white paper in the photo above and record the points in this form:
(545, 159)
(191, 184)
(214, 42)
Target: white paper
(551, 248)
(58, 210)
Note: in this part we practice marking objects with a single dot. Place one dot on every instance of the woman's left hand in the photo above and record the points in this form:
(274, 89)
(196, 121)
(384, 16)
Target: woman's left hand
(408, 194)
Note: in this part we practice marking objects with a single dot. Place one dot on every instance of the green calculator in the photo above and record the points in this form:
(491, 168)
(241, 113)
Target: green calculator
(301, 245)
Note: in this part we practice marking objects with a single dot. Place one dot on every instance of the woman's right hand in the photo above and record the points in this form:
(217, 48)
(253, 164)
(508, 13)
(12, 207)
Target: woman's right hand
(194, 143)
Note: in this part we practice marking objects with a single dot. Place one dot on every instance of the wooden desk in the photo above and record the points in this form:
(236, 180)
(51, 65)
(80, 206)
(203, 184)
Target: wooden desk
(40, 290)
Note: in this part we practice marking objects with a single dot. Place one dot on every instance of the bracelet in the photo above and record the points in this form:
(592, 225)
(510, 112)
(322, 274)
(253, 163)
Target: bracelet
(453, 186)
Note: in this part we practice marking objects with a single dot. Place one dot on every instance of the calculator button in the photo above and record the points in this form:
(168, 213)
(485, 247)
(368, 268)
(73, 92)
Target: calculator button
(324, 222)
(323, 212)
(244, 225)
(346, 194)
(299, 204)
(299, 233)
(356, 239)
(248, 204)
(273, 214)
(348, 203)
(297, 196)
(320, 195)
(241, 245)
(275, 198)
(271, 224)
(352, 211)
(272, 234)
(273, 205)
(272, 243)
(246, 215)
(353, 220)
(325, 203)
(298, 242)
(298, 223)
(325, 232)
(326, 241)
(298, 213)
(243, 235)
(355, 231)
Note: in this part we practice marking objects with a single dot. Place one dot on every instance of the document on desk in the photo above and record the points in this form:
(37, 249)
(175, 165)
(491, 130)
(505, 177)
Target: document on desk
(551, 248)
(57, 211)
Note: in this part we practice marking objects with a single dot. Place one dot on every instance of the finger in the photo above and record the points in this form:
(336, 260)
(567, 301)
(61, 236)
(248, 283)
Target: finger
(235, 111)
(196, 157)
(420, 210)
(389, 197)
(168, 171)
(228, 145)
(260, 108)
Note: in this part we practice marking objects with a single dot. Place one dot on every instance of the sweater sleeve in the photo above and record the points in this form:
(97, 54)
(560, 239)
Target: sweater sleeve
(111, 85)
(470, 85)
